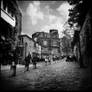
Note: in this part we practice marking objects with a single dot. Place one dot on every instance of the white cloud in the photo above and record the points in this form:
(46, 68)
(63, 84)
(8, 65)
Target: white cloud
(52, 18)
(47, 18)
(36, 3)
(63, 9)
(54, 22)
(33, 10)
(57, 25)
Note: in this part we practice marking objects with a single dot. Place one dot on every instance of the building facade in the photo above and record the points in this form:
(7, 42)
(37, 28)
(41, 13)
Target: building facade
(50, 42)
(28, 45)
(54, 43)
(43, 39)
(10, 19)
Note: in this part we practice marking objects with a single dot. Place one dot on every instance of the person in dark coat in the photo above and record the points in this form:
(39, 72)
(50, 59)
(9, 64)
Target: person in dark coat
(34, 60)
(27, 61)
(49, 60)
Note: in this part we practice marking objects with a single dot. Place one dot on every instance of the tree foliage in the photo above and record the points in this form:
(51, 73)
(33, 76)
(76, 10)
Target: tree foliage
(66, 48)
(78, 12)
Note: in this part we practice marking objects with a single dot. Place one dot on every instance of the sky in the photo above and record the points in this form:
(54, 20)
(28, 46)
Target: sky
(40, 16)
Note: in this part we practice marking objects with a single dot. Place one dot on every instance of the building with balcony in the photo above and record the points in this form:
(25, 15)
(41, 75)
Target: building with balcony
(10, 19)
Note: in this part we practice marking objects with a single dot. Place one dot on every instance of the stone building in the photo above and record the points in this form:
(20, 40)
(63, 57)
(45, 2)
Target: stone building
(49, 42)
(28, 45)
(54, 43)
(43, 39)
(10, 19)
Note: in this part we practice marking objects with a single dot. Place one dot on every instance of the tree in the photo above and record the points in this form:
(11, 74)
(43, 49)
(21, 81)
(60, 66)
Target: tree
(78, 12)
(77, 15)
(66, 48)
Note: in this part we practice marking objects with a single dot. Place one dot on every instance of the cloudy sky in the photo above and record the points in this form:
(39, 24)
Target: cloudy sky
(43, 15)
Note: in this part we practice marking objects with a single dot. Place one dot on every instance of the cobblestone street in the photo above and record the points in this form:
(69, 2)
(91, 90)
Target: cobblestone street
(57, 76)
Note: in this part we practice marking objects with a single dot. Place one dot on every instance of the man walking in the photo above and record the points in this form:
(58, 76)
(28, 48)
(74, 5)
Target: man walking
(34, 60)
(46, 60)
(27, 61)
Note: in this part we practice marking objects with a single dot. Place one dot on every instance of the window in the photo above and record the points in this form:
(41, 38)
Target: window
(45, 43)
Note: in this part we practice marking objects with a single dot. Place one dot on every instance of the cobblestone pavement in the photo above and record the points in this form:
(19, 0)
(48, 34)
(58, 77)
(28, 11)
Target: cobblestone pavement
(57, 76)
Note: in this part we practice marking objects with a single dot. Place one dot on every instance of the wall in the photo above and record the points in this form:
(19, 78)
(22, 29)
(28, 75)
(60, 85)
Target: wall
(86, 39)
(10, 27)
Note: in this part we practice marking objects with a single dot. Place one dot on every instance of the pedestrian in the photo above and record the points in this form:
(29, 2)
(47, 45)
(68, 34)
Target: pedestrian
(46, 60)
(27, 61)
(49, 60)
(34, 60)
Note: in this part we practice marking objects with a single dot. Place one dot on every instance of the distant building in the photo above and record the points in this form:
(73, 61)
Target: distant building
(10, 19)
(43, 39)
(54, 33)
(65, 45)
(54, 43)
(49, 42)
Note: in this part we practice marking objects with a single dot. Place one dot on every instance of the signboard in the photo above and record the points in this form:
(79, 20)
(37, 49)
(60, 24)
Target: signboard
(8, 18)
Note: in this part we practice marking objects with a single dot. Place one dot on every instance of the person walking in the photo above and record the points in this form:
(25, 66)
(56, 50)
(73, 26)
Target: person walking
(49, 60)
(27, 61)
(46, 60)
(34, 61)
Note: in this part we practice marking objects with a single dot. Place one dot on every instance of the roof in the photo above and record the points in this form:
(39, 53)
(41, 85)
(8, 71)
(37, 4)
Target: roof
(25, 35)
